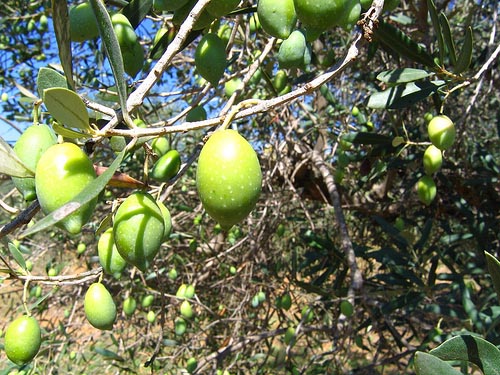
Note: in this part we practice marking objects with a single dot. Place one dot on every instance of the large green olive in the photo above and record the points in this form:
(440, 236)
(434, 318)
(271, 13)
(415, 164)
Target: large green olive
(293, 52)
(63, 171)
(109, 257)
(350, 14)
(133, 59)
(30, 146)
(82, 23)
(228, 177)
(139, 228)
(210, 58)
(100, 309)
(319, 15)
(22, 340)
(166, 166)
(277, 17)
(441, 132)
(167, 219)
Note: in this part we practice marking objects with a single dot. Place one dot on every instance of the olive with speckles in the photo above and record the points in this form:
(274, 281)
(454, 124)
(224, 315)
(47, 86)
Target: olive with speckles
(228, 177)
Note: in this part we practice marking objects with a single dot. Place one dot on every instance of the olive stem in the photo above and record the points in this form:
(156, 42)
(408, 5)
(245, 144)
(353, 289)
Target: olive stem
(236, 109)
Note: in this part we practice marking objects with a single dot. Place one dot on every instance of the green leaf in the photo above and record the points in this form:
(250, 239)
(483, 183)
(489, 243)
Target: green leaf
(137, 10)
(427, 364)
(108, 354)
(68, 133)
(494, 270)
(473, 349)
(67, 108)
(437, 28)
(448, 39)
(10, 163)
(465, 57)
(48, 78)
(85, 196)
(396, 40)
(403, 75)
(60, 18)
(16, 254)
(404, 95)
(113, 51)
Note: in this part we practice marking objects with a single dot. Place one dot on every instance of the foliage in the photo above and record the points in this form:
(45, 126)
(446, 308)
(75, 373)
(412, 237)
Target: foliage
(339, 268)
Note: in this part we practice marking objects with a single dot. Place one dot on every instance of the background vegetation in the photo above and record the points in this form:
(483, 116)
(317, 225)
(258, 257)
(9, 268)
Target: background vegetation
(338, 219)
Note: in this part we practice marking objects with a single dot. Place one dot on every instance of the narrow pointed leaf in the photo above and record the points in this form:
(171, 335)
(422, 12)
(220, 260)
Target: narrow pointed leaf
(427, 364)
(113, 51)
(437, 29)
(10, 163)
(465, 57)
(60, 18)
(494, 270)
(48, 78)
(68, 133)
(67, 108)
(448, 39)
(403, 75)
(85, 196)
(404, 95)
(137, 10)
(472, 349)
(16, 254)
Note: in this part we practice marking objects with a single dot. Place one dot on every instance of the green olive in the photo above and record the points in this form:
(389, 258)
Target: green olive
(82, 22)
(139, 228)
(426, 190)
(166, 166)
(433, 159)
(210, 58)
(109, 257)
(198, 113)
(228, 177)
(22, 340)
(277, 17)
(441, 132)
(29, 148)
(129, 306)
(62, 172)
(100, 309)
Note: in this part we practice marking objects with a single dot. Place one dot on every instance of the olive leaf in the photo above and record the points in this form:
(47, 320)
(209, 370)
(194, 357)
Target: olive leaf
(137, 10)
(61, 28)
(10, 164)
(472, 349)
(48, 78)
(86, 195)
(448, 39)
(404, 95)
(427, 364)
(494, 270)
(437, 29)
(16, 254)
(465, 57)
(112, 48)
(403, 75)
(68, 133)
(67, 108)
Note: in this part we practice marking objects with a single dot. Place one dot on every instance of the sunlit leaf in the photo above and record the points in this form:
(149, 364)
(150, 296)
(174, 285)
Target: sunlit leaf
(427, 364)
(48, 78)
(112, 48)
(109, 354)
(68, 133)
(472, 349)
(67, 108)
(404, 95)
(86, 195)
(16, 254)
(403, 75)
(10, 163)
(60, 18)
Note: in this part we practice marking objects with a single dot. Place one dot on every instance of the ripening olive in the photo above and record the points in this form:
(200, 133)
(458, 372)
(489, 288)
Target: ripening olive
(100, 309)
(22, 340)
